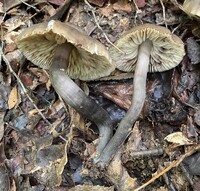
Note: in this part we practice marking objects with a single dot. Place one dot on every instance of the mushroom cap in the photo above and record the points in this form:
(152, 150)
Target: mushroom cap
(192, 8)
(167, 49)
(88, 60)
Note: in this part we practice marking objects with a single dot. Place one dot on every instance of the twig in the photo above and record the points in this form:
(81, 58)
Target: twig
(172, 165)
(99, 27)
(167, 180)
(158, 175)
(138, 11)
(146, 153)
(22, 86)
(164, 16)
(29, 18)
(187, 174)
(33, 7)
(176, 28)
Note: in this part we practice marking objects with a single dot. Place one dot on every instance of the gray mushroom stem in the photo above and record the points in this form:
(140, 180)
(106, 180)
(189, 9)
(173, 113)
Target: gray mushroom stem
(138, 98)
(76, 98)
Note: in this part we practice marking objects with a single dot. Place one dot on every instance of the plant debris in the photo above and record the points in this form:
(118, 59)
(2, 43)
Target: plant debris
(47, 145)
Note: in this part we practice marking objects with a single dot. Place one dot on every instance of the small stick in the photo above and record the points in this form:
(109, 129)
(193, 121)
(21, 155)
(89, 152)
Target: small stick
(138, 11)
(33, 7)
(146, 153)
(167, 180)
(172, 165)
(164, 16)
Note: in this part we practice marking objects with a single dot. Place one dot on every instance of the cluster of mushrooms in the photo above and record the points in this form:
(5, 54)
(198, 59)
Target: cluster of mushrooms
(67, 52)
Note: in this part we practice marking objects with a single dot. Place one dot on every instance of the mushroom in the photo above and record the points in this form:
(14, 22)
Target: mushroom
(145, 48)
(192, 8)
(66, 51)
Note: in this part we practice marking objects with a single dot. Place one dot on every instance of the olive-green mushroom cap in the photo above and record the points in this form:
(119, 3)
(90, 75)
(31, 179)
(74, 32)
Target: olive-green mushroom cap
(167, 49)
(88, 60)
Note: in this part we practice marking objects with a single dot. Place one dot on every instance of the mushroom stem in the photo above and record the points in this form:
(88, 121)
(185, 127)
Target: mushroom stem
(138, 98)
(76, 98)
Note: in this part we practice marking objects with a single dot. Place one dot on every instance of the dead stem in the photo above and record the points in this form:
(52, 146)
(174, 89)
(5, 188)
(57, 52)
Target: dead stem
(27, 4)
(172, 165)
(164, 16)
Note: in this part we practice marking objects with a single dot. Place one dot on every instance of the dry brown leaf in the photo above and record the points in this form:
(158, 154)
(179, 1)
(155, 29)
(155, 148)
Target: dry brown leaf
(13, 23)
(140, 3)
(51, 161)
(33, 112)
(193, 50)
(56, 2)
(27, 79)
(13, 186)
(41, 74)
(11, 4)
(10, 37)
(13, 98)
(99, 3)
(117, 93)
(123, 6)
(178, 138)
(106, 11)
(197, 116)
(119, 175)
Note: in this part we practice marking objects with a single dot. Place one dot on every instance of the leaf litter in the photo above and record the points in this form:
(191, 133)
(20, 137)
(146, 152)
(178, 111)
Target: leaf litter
(45, 143)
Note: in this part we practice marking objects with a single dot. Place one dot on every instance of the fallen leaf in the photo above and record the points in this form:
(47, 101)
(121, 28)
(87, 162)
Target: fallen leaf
(13, 23)
(119, 175)
(27, 79)
(178, 138)
(1, 125)
(56, 2)
(4, 172)
(10, 39)
(41, 74)
(197, 116)
(99, 3)
(192, 163)
(1, 8)
(140, 3)
(13, 98)
(118, 93)
(193, 50)
(4, 178)
(11, 4)
(196, 32)
(50, 163)
(106, 10)
(123, 6)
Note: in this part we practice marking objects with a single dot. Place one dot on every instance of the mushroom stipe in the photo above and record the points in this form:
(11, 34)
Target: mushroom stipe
(75, 97)
(67, 52)
(147, 48)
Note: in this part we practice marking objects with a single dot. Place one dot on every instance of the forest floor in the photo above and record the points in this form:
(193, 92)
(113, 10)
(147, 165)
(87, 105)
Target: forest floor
(45, 144)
